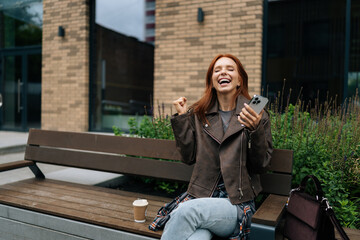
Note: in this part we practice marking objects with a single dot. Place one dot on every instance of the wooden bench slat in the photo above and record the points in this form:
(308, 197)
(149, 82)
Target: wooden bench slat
(270, 211)
(80, 210)
(111, 163)
(110, 198)
(62, 198)
(104, 221)
(95, 191)
(39, 197)
(276, 183)
(353, 234)
(153, 148)
(282, 161)
(112, 201)
(15, 165)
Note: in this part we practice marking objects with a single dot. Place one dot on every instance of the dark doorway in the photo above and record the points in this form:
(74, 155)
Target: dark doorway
(20, 79)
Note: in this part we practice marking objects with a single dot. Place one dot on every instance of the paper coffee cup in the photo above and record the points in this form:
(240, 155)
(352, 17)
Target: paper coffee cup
(140, 206)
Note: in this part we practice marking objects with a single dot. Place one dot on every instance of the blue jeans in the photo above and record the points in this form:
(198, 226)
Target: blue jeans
(200, 219)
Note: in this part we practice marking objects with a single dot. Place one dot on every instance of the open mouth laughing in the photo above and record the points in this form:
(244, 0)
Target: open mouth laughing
(224, 81)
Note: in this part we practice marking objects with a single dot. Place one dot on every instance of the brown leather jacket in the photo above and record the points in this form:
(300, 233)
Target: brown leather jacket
(239, 155)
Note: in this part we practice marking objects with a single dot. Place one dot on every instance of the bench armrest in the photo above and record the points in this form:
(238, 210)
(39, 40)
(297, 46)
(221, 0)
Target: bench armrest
(270, 211)
(15, 165)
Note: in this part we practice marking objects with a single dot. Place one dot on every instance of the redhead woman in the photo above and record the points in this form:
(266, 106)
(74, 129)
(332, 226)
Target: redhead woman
(230, 145)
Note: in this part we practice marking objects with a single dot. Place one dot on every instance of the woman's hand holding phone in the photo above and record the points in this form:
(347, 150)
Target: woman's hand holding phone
(249, 118)
(251, 114)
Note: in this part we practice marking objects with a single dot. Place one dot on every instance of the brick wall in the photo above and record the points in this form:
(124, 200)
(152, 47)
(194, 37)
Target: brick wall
(65, 65)
(184, 47)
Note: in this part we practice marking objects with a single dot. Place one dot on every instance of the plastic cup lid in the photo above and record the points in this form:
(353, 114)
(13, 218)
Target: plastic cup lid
(140, 202)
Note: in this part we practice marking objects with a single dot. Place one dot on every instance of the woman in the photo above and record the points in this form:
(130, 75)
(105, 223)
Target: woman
(230, 145)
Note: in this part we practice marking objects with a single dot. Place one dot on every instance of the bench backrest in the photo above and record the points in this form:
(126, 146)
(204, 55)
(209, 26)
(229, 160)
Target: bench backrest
(135, 156)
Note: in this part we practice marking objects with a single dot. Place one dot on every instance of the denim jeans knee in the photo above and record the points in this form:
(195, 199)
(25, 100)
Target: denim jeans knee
(216, 215)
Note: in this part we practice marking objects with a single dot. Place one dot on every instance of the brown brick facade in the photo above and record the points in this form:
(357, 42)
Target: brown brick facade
(185, 47)
(65, 65)
(183, 51)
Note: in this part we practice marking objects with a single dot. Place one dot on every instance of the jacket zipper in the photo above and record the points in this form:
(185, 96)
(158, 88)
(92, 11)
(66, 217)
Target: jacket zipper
(241, 167)
(216, 183)
(217, 180)
(240, 190)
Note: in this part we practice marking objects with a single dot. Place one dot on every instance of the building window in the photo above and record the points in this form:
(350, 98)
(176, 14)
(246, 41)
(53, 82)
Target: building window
(306, 46)
(122, 62)
(354, 54)
(21, 25)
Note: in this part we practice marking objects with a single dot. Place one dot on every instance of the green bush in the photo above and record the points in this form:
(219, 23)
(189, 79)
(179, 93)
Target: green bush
(326, 143)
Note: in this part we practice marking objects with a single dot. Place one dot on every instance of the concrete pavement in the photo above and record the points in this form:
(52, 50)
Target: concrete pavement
(12, 148)
(11, 142)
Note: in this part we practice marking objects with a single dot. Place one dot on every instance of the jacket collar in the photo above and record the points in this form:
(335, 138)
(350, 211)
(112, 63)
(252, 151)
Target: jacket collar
(240, 100)
(215, 128)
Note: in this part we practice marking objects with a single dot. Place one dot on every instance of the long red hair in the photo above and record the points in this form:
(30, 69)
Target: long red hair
(210, 97)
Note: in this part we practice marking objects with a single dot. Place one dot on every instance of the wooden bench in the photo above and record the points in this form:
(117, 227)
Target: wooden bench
(41, 208)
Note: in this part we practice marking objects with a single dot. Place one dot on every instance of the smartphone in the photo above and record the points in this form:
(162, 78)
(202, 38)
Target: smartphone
(258, 103)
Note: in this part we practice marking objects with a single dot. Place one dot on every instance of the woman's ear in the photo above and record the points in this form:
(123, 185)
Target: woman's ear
(240, 81)
(238, 84)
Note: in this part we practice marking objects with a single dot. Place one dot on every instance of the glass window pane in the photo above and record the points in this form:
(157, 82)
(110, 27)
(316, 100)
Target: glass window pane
(306, 45)
(123, 60)
(354, 61)
(131, 20)
(20, 23)
(12, 88)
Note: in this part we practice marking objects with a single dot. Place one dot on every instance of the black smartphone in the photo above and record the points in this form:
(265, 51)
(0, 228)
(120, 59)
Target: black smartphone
(258, 103)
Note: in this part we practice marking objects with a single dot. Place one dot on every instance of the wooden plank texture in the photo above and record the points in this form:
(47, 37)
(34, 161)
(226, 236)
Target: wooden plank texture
(353, 234)
(281, 161)
(270, 212)
(65, 200)
(276, 183)
(15, 165)
(104, 144)
(110, 163)
(154, 148)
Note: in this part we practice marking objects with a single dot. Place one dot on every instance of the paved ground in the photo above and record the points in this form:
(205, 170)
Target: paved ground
(12, 147)
(12, 141)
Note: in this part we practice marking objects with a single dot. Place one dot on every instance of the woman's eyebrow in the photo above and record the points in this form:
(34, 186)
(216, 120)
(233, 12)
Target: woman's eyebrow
(227, 66)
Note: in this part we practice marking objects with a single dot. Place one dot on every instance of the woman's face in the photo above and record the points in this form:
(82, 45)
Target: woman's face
(225, 77)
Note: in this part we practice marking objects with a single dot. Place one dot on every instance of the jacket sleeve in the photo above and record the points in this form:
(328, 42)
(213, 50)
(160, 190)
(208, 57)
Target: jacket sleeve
(184, 132)
(260, 146)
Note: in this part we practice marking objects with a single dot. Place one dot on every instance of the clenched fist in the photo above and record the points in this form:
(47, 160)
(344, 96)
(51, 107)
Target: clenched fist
(180, 105)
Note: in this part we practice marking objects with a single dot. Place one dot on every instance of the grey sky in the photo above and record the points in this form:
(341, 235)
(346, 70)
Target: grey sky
(123, 16)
